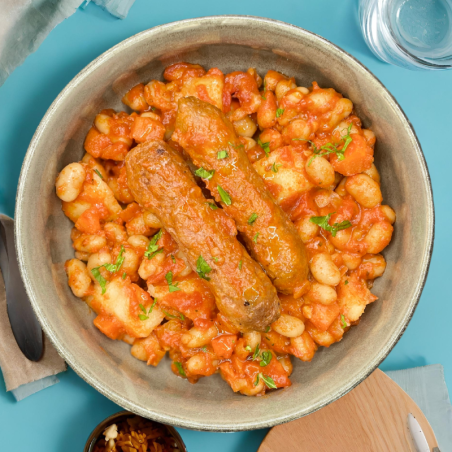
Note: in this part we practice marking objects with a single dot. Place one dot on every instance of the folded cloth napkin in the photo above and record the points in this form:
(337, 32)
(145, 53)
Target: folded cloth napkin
(427, 387)
(24, 377)
(24, 24)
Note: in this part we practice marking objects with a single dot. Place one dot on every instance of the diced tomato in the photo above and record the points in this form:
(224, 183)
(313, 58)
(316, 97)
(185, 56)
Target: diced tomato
(223, 346)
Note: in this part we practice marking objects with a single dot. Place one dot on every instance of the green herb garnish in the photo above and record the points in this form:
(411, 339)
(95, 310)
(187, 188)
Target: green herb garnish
(267, 329)
(203, 268)
(323, 222)
(255, 237)
(124, 275)
(169, 279)
(180, 368)
(264, 146)
(112, 268)
(224, 196)
(248, 348)
(153, 248)
(275, 167)
(222, 154)
(240, 264)
(171, 316)
(204, 174)
(173, 259)
(346, 282)
(343, 322)
(152, 307)
(268, 381)
(98, 173)
(279, 112)
(266, 358)
(212, 205)
(100, 279)
(142, 308)
(256, 352)
(252, 218)
(236, 145)
(143, 317)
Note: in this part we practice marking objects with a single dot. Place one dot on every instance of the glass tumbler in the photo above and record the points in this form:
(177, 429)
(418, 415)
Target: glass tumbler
(415, 34)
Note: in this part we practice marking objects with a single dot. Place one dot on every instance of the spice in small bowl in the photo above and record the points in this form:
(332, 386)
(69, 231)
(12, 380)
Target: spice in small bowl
(127, 432)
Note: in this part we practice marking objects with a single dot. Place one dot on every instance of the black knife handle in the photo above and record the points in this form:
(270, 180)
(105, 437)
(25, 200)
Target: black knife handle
(26, 328)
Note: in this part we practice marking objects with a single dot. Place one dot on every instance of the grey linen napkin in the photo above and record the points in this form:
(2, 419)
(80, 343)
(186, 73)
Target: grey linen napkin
(24, 377)
(427, 387)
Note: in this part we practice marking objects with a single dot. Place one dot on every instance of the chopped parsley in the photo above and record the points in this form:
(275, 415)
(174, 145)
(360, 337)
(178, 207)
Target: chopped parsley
(255, 237)
(252, 218)
(256, 352)
(124, 275)
(112, 268)
(267, 329)
(180, 368)
(240, 264)
(98, 173)
(264, 146)
(203, 268)
(323, 222)
(212, 205)
(224, 196)
(236, 145)
(222, 154)
(152, 307)
(266, 357)
(169, 279)
(204, 174)
(343, 322)
(143, 317)
(248, 348)
(330, 148)
(266, 379)
(275, 167)
(153, 248)
(346, 282)
(142, 308)
(171, 316)
(279, 112)
(100, 279)
(173, 259)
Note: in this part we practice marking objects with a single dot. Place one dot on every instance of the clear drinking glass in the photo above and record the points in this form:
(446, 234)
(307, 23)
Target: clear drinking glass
(415, 34)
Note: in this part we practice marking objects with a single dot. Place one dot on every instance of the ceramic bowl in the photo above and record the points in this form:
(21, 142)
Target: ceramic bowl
(43, 242)
(98, 432)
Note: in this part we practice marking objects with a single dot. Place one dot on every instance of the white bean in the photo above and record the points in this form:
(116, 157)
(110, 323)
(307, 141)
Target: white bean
(321, 293)
(78, 277)
(364, 189)
(69, 182)
(245, 127)
(288, 326)
(324, 269)
(252, 339)
(197, 337)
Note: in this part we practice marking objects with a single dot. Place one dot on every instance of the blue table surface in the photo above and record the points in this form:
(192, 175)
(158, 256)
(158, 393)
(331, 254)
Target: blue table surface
(62, 416)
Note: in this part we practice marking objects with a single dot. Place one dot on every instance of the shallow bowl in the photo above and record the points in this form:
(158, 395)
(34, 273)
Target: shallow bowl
(43, 232)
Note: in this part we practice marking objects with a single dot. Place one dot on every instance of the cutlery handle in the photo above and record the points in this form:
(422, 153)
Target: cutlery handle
(24, 324)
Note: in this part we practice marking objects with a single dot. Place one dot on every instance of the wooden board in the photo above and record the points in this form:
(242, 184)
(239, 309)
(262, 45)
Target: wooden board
(370, 418)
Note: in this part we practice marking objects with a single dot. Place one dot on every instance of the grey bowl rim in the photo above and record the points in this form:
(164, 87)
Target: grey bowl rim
(97, 430)
(121, 400)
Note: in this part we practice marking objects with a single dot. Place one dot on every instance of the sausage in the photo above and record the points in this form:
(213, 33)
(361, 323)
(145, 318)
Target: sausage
(161, 181)
(209, 139)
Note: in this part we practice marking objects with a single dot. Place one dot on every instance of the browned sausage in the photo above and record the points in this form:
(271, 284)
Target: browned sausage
(210, 140)
(161, 181)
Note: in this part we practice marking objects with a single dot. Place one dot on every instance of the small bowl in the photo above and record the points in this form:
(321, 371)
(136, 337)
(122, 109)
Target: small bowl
(119, 417)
